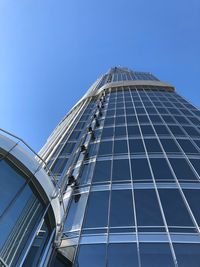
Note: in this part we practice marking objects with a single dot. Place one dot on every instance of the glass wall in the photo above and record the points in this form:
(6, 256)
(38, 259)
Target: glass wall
(138, 188)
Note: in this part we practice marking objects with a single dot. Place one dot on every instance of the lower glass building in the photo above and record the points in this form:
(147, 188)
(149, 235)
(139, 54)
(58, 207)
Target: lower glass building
(126, 167)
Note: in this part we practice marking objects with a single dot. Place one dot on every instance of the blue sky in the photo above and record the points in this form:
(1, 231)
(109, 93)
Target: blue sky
(51, 51)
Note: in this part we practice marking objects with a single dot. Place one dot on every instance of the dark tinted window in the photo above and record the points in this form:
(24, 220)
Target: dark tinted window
(156, 255)
(105, 148)
(187, 254)
(175, 211)
(152, 145)
(121, 213)
(119, 120)
(133, 130)
(193, 198)
(131, 119)
(147, 130)
(169, 145)
(161, 130)
(91, 255)
(140, 169)
(120, 255)
(182, 169)
(120, 131)
(176, 130)
(107, 132)
(187, 146)
(136, 146)
(163, 172)
(102, 171)
(121, 169)
(147, 208)
(97, 210)
(120, 147)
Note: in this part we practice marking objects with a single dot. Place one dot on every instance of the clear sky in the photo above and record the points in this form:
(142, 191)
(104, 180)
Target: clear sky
(51, 51)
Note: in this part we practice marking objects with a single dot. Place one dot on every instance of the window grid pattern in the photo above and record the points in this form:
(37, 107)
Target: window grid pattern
(146, 149)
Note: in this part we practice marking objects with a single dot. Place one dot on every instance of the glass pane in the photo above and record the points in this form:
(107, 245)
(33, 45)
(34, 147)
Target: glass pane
(136, 146)
(11, 181)
(120, 147)
(163, 173)
(75, 213)
(121, 170)
(182, 169)
(121, 213)
(102, 171)
(91, 255)
(147, 208)
(122, 255)
(169, 145)
(187, 254)
(174, 208)
(140, 169)
(156, 255)
(86, 173)
(193, 198)
(97, 210)
(105, 148)
(120, 131)
(187, 146)
(152, 145)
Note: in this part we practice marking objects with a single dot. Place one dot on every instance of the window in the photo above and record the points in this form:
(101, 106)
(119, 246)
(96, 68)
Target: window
(133, 131)
(131, 120)
(156, 255)
(140, 169)
(121, 170)
(107, 132)
(120, 147)
(67, 149)
(122, 255)
(109, 121)
(76, 212)
(121, 212)
(143, 119)
(182, 169)
(86, 173)
(59, 165)
(175, 211)
(155, 119)
(147, 130)
(120, 131)
(187, 146)
(119, 120)
(161, 169)
(152, 145)
(170, 146)
(91, 255)
(196, 165)
(147, 208)
(136, 146)
(187, 254)
(105, 148)
(193, 198)
(161, 130)
(181, 119)
(102, 171)
(191, 131)
(97, 210)
(176, 130)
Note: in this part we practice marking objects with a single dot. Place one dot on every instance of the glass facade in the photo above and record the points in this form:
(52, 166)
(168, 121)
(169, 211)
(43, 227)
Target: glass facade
(131, 162)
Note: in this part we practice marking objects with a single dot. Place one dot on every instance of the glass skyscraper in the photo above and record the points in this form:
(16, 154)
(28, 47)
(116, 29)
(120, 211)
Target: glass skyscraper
(127, 158)
(125, 163)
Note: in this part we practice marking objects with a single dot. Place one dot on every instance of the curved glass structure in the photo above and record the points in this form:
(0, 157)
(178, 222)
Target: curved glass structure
(127, 160)
(27, 220)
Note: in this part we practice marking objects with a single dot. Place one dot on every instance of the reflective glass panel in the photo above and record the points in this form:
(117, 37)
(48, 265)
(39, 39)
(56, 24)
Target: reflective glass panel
(122, 255)
(121, 212)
